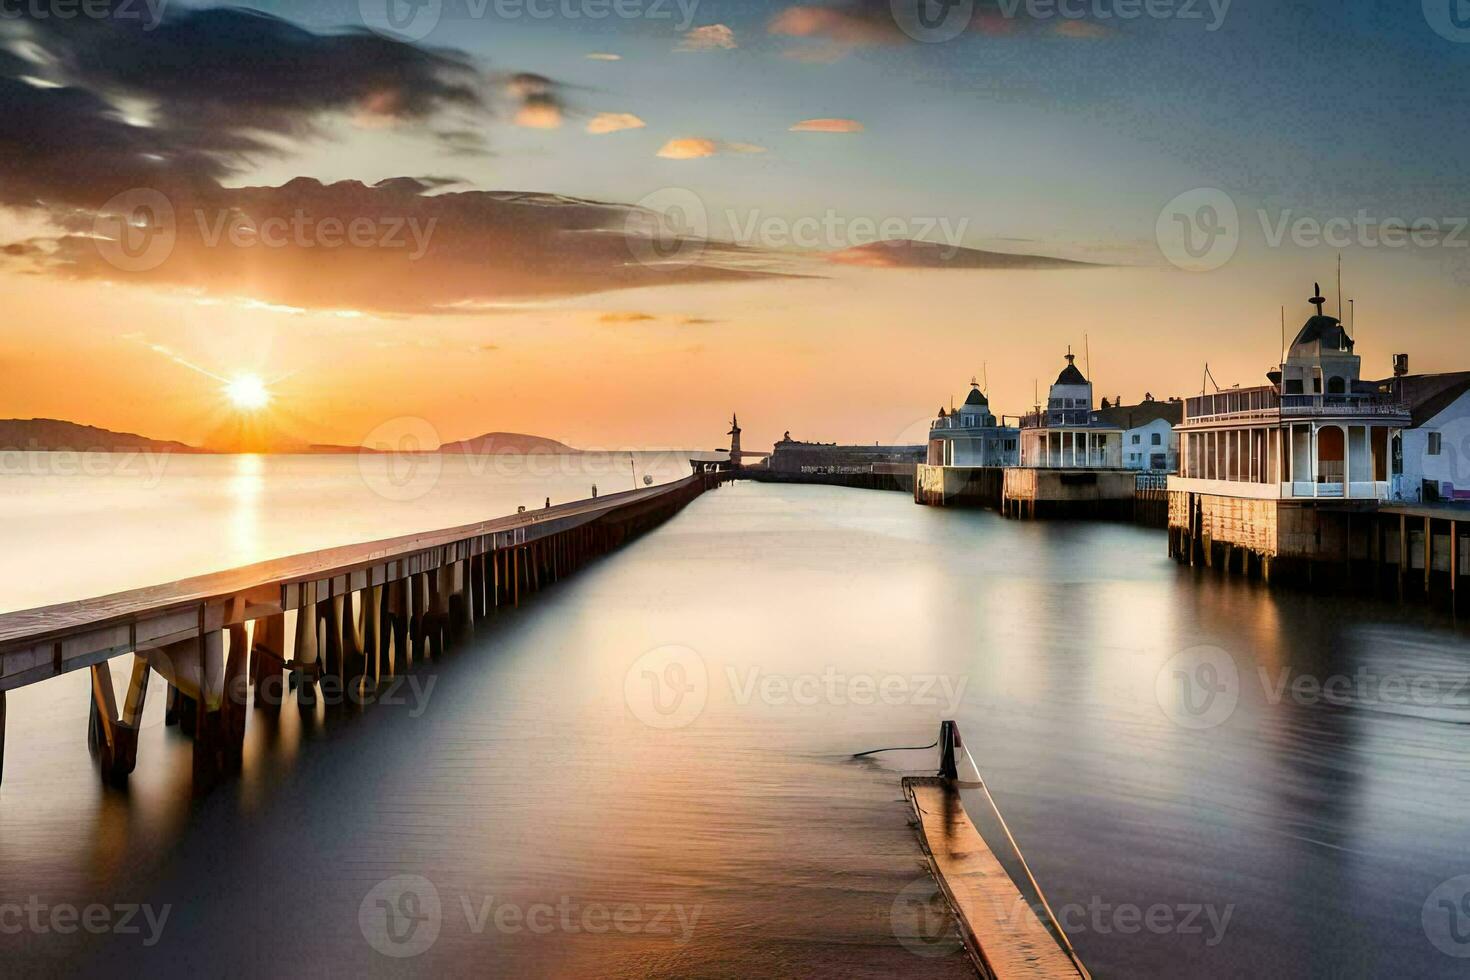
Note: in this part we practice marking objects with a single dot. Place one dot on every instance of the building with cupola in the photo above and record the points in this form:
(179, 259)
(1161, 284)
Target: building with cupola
(1316, 431)
(1068, 433)
(971, 435)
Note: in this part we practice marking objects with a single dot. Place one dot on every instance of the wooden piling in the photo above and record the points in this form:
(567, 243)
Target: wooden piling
(2, 737)
(268, 661)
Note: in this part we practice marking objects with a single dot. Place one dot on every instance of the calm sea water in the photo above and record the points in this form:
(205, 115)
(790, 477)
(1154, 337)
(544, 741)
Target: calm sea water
(646, 770)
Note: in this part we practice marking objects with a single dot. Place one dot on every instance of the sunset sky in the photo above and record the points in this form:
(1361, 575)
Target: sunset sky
(509, 166)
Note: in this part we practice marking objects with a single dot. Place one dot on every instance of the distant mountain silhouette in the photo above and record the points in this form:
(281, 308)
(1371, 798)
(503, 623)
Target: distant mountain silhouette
(55, 435)
(908, 254)
(509, 443)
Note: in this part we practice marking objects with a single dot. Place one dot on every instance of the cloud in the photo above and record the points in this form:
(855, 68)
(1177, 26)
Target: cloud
(695, 321)
(604, 56)
(907, 254)
(864, 23)
(828, 126)
(711, 37)
(388, 248)
(538, 98)
(208, 93)
(688, 148)
(694, 148)
(626, 317)
(613, 122)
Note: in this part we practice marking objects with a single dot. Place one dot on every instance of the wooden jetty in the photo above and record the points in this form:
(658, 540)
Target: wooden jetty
(1005, 936)
(1002, 929)
(359, 612)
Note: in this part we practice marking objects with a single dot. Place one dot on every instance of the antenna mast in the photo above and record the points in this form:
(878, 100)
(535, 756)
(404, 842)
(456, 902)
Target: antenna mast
(1339, 287)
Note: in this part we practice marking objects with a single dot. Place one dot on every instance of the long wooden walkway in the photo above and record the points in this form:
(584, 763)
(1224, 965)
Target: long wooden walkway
(360, 609)
(1003, 933)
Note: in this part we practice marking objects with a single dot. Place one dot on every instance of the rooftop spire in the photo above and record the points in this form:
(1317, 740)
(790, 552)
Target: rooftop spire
(1318, 300)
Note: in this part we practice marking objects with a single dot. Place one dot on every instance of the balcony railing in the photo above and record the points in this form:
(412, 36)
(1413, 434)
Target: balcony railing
(1053, 417)
(1267, 403)
(1359, 404)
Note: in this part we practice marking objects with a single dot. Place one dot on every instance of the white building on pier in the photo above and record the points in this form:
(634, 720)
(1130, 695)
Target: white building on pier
(1068, 434)
(972, 436)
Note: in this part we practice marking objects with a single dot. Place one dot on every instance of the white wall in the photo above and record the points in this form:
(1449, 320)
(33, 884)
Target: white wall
(1452, 465)
(1137, 456)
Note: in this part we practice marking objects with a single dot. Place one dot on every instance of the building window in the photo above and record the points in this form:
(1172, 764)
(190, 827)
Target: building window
(1158, 439)
(1434, 443)
(1136, 438)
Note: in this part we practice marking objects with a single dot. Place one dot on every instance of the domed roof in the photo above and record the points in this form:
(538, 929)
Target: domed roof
(1325, 331)
(1070, 375)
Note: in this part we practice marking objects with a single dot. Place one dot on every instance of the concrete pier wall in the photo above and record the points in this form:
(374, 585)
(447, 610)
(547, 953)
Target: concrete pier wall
(958, 486)
(1068, 492)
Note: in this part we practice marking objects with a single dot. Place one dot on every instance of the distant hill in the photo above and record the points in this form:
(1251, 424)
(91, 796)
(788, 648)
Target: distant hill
(908, 254)
(508, 443)
(54, 435)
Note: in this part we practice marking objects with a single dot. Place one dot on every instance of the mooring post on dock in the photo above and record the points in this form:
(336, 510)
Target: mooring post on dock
(949, 740)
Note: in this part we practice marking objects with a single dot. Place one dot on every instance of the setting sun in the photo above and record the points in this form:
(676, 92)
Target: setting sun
(247, 392)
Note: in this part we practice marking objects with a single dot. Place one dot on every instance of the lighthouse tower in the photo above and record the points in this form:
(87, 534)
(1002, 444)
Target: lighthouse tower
(734, 435)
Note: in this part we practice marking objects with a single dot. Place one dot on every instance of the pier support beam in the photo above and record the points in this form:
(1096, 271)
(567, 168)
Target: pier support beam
(2, 736)
(305, 662)
(268, 661)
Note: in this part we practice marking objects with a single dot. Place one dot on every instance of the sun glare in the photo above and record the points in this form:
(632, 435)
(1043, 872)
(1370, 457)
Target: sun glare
(247, 393)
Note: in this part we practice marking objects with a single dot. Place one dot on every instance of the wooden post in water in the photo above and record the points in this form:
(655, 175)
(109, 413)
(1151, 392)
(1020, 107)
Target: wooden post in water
(1403, 552)
(305, 655)
(268, 661)
(397, 612)
(1428, 553)
(2, 736)
(1454, 566)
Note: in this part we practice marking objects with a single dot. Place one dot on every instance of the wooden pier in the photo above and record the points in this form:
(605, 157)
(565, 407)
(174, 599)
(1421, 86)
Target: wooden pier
(357, 614)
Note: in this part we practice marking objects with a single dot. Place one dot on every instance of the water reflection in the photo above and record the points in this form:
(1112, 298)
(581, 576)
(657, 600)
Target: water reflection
(1321, 825)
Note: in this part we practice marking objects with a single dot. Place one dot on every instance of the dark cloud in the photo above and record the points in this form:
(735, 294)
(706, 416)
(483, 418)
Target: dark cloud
(124, 136)
(386, 248)
(860, 23)
(94, 107)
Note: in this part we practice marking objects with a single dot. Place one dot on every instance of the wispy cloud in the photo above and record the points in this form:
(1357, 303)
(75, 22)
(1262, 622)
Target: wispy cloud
(711, 37)
(613, 122)
(828, 126)
(688, 148)
(697, 147)
(604, 56)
